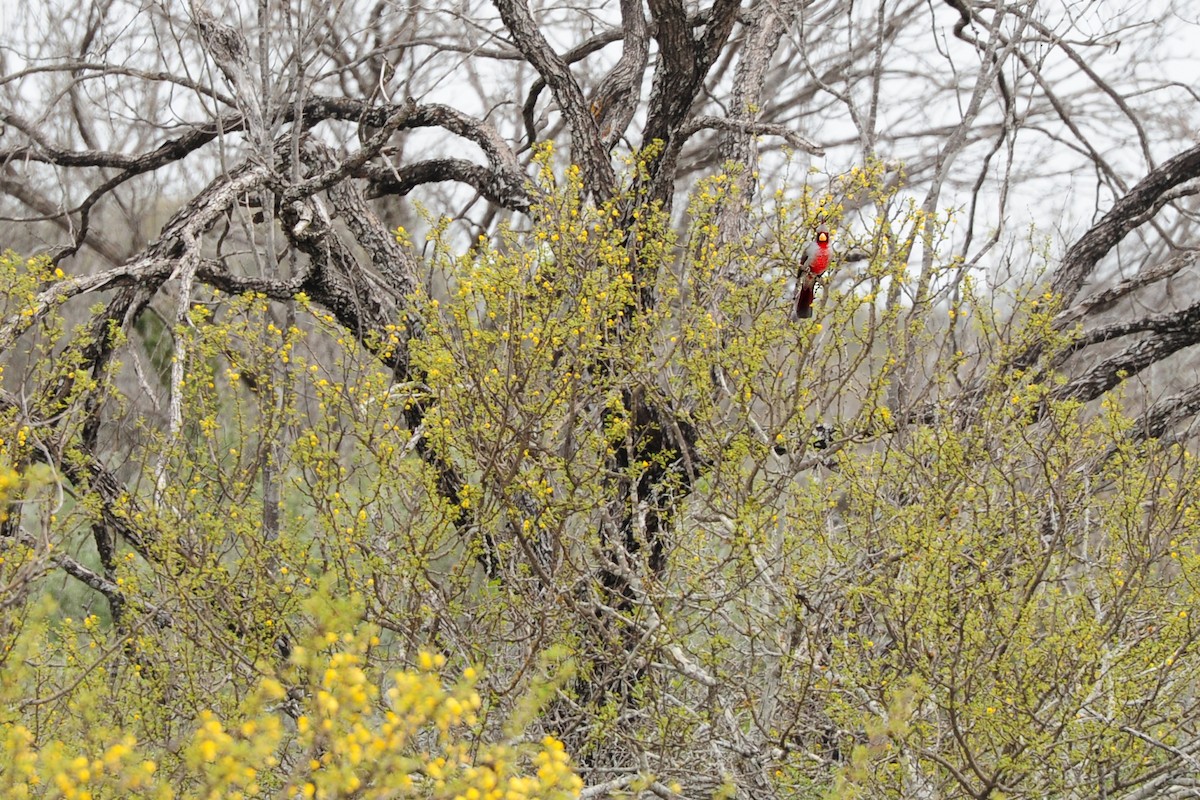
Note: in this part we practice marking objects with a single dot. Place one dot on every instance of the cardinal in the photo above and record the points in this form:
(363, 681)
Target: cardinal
(812, 266)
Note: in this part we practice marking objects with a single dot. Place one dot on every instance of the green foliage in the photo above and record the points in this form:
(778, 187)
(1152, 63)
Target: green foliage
(1025, 589)
(596, 499)
(318, 726)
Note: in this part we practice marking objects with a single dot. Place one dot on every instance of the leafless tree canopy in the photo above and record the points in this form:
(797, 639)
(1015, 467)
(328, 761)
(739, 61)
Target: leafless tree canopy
(1044, 152)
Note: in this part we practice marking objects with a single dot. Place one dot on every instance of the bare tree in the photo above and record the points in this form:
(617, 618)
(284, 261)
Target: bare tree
(709, 514)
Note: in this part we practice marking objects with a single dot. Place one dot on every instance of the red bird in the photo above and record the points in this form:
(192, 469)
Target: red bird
(812, 266)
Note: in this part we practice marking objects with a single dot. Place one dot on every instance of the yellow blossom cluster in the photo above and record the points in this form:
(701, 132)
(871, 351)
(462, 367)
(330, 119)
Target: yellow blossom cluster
(337, 740)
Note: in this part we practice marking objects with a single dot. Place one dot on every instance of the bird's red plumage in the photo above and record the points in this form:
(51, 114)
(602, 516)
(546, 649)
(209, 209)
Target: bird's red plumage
(820, 261)
(813, 263)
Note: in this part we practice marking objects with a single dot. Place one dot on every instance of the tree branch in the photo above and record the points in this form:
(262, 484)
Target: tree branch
(751, 128)
(683, 64)
(589, 153)
(1141, 202)
(504, 189)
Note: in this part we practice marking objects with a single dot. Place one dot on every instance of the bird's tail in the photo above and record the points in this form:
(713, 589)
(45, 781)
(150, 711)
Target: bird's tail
(804, 302)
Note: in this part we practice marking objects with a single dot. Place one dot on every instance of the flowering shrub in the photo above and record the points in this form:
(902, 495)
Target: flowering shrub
(321, 727)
